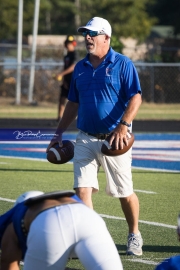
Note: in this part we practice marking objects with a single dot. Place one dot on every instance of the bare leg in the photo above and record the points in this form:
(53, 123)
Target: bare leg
(130, 207)
(85, 194)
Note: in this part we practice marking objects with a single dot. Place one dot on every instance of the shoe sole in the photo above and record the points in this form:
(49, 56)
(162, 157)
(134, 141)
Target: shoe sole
(130, 253)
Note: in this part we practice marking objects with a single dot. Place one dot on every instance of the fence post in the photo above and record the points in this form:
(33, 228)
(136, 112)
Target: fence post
(152, 83)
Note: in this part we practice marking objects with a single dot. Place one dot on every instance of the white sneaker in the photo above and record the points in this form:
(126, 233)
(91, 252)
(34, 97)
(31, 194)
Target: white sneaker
(134, 245)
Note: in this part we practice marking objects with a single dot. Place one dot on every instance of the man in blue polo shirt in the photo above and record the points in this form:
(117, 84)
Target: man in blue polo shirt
(105, 95)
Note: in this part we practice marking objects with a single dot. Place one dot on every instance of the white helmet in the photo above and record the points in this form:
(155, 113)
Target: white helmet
(27, 195)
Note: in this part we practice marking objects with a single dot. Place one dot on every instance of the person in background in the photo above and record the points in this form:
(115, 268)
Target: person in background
(45, 230)
(65, 76)
(105, 96)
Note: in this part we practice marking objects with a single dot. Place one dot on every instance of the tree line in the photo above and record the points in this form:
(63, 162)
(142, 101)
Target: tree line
(128, 18)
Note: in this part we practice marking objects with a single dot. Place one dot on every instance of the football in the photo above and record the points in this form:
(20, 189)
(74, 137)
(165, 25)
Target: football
(61, 155)
(108, 150)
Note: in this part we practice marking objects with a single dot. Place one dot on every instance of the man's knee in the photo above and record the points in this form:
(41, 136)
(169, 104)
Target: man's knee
(129, 198)
(85, 193)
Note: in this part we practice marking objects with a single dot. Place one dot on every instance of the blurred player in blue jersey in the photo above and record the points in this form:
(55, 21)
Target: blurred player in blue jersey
(172, 263)
(45, 230)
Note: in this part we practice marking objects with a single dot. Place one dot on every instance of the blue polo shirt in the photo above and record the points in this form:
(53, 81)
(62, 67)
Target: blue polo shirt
(103, 93)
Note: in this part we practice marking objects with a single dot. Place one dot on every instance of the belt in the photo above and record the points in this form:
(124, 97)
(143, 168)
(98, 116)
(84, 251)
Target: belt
(99, 136)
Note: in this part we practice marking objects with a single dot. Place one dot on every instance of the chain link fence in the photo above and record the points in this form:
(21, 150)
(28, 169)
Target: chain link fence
(46, 87)
(160, 82)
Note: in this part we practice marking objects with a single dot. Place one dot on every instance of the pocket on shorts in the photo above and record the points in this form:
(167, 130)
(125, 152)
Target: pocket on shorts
(119, 183)
(123, 182)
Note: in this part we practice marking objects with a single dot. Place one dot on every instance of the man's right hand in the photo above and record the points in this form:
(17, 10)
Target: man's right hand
(55, 139)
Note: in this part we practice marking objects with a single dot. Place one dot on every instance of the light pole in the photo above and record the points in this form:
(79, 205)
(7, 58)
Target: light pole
(33, 53)
(19, 52)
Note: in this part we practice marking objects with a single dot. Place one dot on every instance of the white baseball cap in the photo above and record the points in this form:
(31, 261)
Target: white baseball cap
(27, 195)
(97, 24)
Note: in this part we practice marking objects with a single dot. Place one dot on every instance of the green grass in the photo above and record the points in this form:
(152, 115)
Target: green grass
(159, 111)
(49, 110)
(42, 110)
(160, 242)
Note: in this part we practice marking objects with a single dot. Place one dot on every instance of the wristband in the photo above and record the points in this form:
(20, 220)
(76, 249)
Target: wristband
(125, 123)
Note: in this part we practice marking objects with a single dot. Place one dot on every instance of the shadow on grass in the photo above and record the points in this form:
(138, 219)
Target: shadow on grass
(67, 268)
(34, 170)
(161, 249)
(171, 249)
(151, 172)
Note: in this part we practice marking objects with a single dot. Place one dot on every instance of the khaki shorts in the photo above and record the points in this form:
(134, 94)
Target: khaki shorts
(87, 161)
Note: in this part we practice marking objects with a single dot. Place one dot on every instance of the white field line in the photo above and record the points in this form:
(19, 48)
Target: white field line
(131, 260)
(35, 159)
(164, 157)
(41, 150)
(143, 261)
(136, 168)
(156, 144)
(6, 200)
(156, 170)
(145, 191)
(142, 221)
(137, 143)
(118, 218)
(32, 159)
(25, 142)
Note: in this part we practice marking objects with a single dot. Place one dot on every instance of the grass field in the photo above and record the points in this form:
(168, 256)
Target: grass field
(158, 208)
(49, 110)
